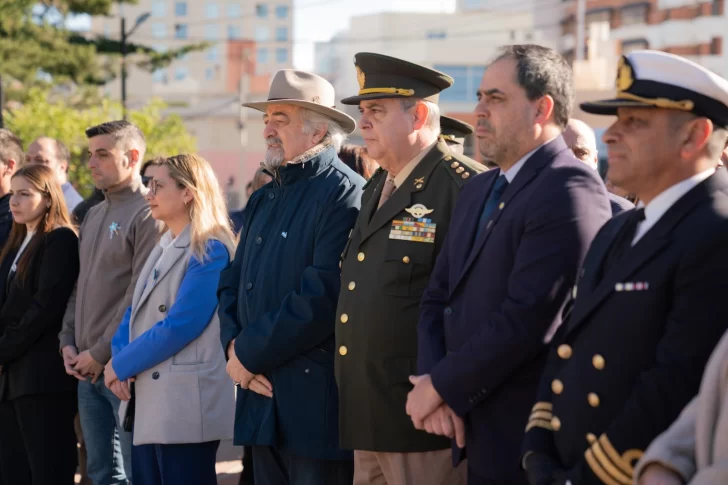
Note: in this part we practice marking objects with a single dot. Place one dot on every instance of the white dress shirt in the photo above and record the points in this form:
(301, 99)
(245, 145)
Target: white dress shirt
(662, 203)
(513, 171)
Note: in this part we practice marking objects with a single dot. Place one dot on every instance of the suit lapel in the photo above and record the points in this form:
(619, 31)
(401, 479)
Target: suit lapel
(402, 197)
(170, 258)
(530, 169)
(646, 249)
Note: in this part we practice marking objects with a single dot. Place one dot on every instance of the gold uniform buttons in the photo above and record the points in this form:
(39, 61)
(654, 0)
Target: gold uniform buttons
(454, 165)
(557, 386)
(598, 362)
(465, 175)
(343, 350)
(564, 351)
(344, 318)
(406, 260)
(460, 170)
(593, 400)
(591, 438)
(556, 423)
(360, 256)
(352, 285)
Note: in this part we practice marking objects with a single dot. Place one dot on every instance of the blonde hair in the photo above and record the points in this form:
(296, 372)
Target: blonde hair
(208, 211)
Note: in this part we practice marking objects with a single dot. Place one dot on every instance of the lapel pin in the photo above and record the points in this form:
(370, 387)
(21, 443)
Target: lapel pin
(619, 287)
(501, 205)
(114, 229)
(629, 287)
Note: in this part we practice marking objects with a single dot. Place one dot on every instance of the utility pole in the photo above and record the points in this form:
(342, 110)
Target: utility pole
(123, 67)
(580, 27)
(2, 103)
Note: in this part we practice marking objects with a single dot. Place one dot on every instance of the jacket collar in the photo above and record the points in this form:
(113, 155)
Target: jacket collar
(129, 192)
(307, 165)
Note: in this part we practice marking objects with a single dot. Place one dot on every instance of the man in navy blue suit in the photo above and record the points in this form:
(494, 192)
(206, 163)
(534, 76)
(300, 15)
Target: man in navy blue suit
(517, 237)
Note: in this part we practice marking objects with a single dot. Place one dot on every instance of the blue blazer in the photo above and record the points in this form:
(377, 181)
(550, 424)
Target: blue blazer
(492, 304)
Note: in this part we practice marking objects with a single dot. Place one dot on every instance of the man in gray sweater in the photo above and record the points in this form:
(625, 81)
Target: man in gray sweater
(115, 240)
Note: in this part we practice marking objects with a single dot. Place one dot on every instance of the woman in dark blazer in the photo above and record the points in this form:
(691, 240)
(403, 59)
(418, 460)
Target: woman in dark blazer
(38, 269)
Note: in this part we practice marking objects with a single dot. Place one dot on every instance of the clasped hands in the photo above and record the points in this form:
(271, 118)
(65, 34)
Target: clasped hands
(81, 366)
(259, 384)
(429, 413)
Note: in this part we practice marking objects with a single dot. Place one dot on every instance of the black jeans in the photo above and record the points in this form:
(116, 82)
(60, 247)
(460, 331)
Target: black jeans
(37, 439)
(280, 467)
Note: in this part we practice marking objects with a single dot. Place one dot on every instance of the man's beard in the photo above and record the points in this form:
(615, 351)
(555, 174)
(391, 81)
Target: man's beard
(274, 156)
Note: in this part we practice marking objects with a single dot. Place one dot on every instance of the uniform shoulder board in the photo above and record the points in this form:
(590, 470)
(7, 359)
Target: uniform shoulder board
(461, 168)
(376, 174)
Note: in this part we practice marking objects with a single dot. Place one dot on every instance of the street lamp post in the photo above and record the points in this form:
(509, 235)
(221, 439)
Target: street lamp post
(124, 36)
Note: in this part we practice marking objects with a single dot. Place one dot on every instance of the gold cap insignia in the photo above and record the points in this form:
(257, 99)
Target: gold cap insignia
(624, 75)
(360, 77)
(418, 211)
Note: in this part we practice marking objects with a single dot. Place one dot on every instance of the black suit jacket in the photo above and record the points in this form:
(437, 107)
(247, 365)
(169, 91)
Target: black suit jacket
(632, 352)
(619, 204)
(31, 315)
(487, 311)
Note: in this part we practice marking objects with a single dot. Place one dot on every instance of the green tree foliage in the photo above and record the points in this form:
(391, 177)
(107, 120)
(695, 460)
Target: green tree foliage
(56, 117)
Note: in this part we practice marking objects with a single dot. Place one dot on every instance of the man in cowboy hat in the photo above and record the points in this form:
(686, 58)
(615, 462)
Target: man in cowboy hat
(278, 297)
(648, 305)
(405, 216)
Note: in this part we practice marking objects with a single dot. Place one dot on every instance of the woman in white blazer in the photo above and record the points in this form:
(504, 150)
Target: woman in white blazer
(167, 350)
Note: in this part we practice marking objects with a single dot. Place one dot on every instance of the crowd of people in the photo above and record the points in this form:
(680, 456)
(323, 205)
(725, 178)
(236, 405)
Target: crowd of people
(395, 314)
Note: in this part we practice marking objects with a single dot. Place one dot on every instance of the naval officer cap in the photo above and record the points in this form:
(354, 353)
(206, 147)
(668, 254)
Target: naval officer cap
(453, 130)
(647, 78)
(383, 76)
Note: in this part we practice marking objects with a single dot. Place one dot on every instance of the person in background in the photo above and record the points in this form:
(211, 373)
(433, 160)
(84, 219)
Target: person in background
(278, 297)
(724, 155)
(115, 241)
(647, 308)
(11, 156)
(581, 140)
(167, 347)
(261, 178)
(517, 237)
(38, 268)
(454, 132)
(147, 171)
(54, 154)
(357, 158)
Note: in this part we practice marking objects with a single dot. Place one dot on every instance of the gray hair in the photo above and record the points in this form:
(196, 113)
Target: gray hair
(313, 120)
(433, 112)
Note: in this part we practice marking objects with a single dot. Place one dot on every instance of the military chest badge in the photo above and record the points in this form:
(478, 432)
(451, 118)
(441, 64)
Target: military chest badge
(418, 211)
(415, 229)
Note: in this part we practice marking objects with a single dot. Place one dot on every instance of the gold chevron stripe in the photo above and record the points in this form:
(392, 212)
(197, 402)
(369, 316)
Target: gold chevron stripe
(609, 467)
(543, 406)
(539, 423)
(624, 462)
(541, 415)
(601, 474)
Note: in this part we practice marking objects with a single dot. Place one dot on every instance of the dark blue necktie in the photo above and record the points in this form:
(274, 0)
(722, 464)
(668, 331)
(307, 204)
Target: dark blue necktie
(500, 186)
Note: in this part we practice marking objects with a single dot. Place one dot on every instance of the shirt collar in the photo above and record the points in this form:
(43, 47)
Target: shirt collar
(407, 170)
(667, 198)
(513, 171)
(129, 192)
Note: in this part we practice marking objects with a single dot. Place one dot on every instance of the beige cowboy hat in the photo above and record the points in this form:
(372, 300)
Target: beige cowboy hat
(307, 90)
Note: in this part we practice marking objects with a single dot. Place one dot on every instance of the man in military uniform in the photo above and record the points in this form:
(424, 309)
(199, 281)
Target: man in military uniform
(454, 132)
(386, 265)
(648, 304)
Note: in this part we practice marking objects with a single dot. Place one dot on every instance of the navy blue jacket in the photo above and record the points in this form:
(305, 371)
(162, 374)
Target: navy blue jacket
(278, 300)
(493, 303)
(619, 204)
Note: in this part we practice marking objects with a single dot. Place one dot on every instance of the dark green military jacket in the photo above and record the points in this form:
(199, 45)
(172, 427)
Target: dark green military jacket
(386, 267)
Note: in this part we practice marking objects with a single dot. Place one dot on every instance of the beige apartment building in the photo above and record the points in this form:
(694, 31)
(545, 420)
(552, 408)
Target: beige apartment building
(249, 42)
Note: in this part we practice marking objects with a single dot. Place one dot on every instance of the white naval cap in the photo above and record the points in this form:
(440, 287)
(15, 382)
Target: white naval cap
(657, 79)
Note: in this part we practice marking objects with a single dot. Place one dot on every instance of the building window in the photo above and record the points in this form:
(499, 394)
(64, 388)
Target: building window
(261, 33)
(604, 15)
(233, 10)
(634, 14)
(159, 76)
(159, 31)
(212, 11)
(212, 32)
(181, 73)
(261, 57)
(282, 12)
(436, 34)
(209, 74)
(261, 10)
(213, 53)
(161, 48)
(180, 31)
(234, 32)
(180, 9)
(158, 8)
(467, 80)
(282, 34)
(281, 55)
(634, 45)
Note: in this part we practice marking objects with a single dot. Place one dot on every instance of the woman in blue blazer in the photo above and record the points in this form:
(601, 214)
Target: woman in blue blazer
(168, 344)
